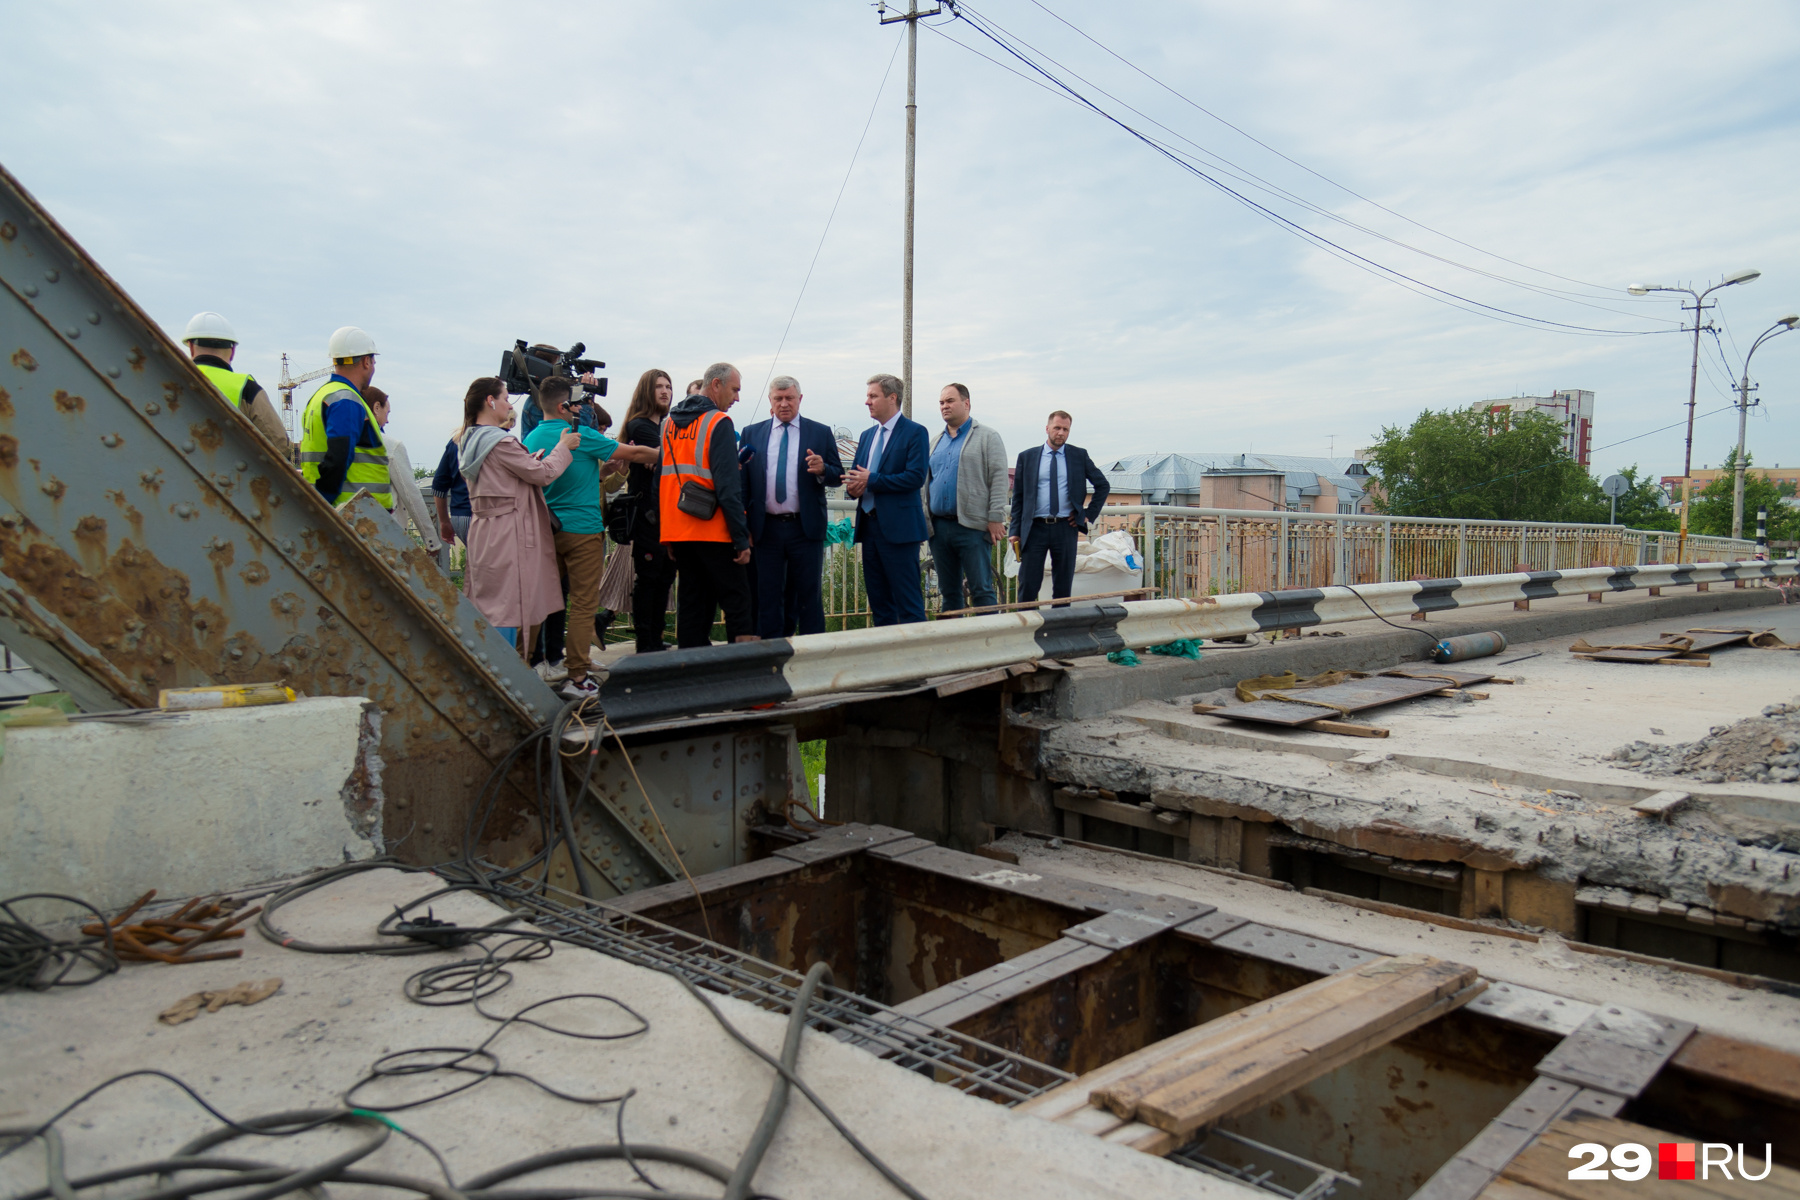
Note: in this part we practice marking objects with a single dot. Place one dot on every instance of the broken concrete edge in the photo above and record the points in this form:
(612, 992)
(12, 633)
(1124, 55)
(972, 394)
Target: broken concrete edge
(1558, 861)
(1092, 689)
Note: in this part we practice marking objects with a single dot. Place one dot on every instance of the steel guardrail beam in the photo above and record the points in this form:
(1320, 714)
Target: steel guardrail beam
(746, 675)
(151, 538)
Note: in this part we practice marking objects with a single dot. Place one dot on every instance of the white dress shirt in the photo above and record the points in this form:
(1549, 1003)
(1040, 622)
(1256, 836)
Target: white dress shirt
(790, 467)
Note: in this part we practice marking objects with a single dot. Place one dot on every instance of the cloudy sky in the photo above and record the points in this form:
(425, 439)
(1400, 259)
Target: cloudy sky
(654, 180)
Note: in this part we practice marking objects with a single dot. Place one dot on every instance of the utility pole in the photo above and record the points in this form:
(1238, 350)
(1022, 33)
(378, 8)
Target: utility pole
(1745, 387)
(1699, 310)
(911, 17)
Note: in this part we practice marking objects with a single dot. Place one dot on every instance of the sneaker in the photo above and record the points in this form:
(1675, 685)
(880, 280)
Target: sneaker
(551, 672)
(580, 689)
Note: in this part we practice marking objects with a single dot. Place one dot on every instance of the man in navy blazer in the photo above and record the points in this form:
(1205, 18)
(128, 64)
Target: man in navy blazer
(885, 480)
(790, 463)
(1050, 486)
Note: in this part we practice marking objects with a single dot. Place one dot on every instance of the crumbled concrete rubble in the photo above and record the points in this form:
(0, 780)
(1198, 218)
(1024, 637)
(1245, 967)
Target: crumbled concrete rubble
(1763, 749)
(1691, 858)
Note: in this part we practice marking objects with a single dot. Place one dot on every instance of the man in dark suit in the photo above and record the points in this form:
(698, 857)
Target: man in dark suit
(791, 462)
(1050, 487)
(889, 470)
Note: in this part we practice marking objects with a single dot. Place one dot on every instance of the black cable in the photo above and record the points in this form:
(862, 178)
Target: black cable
(31, 958)
(739, 1185)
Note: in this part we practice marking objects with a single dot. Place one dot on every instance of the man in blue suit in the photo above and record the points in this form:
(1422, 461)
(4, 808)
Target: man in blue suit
(791, 462)
(884, 481)
(1050, 486)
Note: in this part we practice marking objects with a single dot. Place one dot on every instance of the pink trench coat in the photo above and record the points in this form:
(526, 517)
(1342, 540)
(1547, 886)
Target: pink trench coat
(512, 575)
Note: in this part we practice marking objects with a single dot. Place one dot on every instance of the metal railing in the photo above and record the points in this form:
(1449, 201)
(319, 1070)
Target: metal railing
(1194, 552)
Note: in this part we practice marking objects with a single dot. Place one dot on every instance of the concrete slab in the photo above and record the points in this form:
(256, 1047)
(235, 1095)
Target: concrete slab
(191, 804)
(1094, 686)
(1767, 1017)
(695, 1088)
(1552, 729)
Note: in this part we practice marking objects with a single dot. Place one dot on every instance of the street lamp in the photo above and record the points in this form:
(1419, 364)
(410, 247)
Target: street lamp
(1687, 465)
(1784, 325)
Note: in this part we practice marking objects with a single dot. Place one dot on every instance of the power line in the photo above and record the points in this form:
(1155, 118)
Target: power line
(817, 250)
(1391, 274)
(1309, 170)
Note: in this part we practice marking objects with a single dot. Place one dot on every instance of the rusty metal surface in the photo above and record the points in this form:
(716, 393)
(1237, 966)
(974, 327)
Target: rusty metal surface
(1355, 696)
(150, 538)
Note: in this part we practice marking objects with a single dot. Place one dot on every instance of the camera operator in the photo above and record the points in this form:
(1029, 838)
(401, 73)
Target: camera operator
(574, 500)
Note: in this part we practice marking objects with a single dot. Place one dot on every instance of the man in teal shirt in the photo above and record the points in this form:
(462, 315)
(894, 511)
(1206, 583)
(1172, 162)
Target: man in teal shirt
(574, 500)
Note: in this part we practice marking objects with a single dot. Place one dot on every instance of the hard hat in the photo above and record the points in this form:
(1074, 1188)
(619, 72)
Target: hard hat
(350, 342)
(211, 326)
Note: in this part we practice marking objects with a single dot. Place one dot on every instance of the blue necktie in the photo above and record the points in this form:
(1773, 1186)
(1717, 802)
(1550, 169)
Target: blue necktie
(868, 498)
(781, 467)
(1055, 496)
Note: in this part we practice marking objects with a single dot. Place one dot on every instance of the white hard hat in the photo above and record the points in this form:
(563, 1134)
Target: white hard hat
(211, 326)
(350, 342)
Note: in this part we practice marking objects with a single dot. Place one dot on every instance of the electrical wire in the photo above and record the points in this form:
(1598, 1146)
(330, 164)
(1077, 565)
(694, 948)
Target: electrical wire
(1362, 262)
(1316, 174)
(829, 217)
(32, 959)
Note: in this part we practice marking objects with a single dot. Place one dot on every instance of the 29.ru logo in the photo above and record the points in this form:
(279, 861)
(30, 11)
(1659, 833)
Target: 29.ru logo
(1674, 1160)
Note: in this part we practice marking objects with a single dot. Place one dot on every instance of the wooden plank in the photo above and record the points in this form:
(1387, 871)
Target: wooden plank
(1058, 1102)
(1762, 1069)
(1660, 662)
(1508, 1189)
(1176, 1060)
(1146, 1139)
(1545, 1165)
(1258, 1070)
(1108, 810)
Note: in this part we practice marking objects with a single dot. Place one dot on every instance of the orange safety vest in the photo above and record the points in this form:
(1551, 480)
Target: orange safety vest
(684, 460)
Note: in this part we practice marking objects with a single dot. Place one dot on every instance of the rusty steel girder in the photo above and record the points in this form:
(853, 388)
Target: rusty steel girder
(150, 538)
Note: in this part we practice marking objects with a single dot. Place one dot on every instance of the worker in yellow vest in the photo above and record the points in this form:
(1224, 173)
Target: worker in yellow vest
(212, 344)
(341, 445)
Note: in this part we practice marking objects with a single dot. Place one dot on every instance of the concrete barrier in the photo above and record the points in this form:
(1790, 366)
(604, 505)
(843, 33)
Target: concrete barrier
(189, 804)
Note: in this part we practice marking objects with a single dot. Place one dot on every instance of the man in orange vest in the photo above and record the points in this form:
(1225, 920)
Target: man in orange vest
(701, 508)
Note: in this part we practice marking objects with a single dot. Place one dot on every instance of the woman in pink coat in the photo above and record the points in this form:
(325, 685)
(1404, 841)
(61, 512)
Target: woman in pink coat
(511, 576)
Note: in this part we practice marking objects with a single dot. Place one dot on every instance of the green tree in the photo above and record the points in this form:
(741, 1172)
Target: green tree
(1465, 465)
(1639, 507)
(1712, 506)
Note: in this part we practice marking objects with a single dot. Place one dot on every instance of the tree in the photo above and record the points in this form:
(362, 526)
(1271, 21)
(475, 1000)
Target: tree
(1639, 507)
(1479, 466)
(1712, 506)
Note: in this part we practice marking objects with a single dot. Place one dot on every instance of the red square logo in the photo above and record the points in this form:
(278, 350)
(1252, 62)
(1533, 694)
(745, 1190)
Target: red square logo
(1675, 1160)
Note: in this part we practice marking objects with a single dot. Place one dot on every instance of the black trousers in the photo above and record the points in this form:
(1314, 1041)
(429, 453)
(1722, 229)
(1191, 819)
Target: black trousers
(709, 581)
(1057, 539)
(788, 569)
(650, 592)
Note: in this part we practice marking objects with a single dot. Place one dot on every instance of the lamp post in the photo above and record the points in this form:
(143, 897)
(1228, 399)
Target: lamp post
(1687, 464)
(1784, 325)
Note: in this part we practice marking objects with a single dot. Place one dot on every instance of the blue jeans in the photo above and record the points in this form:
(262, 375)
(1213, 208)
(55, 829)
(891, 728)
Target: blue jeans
(958, 552)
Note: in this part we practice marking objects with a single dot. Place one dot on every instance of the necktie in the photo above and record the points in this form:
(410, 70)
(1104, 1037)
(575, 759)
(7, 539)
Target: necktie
(781, 468)
(868, 499)
(1055, 496)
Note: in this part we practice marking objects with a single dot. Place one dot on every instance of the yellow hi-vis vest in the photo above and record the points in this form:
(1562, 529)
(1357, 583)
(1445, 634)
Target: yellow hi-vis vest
(230, 383)
(368, 466)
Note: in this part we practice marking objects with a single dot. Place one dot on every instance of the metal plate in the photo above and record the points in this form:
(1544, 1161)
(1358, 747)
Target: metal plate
(1129, 926)
(1212, 926)
(1353, 696)
(1617, 1049)
(1293, 950)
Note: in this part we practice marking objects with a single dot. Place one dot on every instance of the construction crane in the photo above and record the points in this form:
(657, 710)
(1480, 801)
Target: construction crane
(287, 385)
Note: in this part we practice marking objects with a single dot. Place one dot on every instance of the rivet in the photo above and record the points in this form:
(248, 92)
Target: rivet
(29, 289)
(51, 276)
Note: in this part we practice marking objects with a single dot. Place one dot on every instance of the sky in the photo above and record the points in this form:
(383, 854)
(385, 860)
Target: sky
(655, 181)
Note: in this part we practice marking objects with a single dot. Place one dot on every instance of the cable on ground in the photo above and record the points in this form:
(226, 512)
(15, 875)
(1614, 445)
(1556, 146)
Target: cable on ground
(31, 958)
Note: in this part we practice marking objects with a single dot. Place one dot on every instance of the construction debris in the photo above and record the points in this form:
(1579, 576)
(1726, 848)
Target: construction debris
(207, 920)
(1763, 749)
(248, 992)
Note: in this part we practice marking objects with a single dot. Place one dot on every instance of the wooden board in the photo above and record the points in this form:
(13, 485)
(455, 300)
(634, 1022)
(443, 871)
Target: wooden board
(1255, 1054)
(1353, 695)
(1545, 1165)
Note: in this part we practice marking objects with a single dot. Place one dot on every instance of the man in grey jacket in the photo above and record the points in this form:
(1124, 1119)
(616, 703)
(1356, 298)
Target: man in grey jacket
(966, 491)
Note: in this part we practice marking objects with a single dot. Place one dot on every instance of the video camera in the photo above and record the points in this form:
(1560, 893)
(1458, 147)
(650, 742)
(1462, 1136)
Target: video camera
(524, 367)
